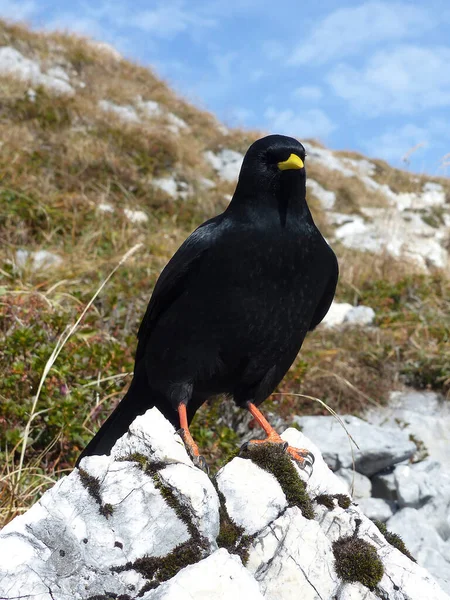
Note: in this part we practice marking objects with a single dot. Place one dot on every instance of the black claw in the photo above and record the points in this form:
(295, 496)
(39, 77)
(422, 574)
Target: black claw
(285, 446)
(200, 463)
(243, 449)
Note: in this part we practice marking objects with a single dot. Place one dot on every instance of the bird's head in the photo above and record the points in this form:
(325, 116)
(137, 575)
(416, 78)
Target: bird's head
(273, 167)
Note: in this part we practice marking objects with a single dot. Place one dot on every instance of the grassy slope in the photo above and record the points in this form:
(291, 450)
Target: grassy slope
(59, 158)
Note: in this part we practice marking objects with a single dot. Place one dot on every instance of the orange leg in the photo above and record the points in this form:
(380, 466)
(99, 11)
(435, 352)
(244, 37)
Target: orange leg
(303, 457)
(188, 440)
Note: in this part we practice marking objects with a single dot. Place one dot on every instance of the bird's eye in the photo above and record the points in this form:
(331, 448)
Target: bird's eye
(276, 156)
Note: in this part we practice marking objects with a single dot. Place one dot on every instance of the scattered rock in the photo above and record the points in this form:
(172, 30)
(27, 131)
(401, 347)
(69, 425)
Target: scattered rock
(379, 447)
(344, 313)
(227, 163)
(172, 187)
(360, 315)
(106, 208)
(176, 124)
(336, 314)
(206, 184)
(124, 113)
(326, 198)
(12, 62)
(37, 261)
(407, 228)
(383, 486)
(423, 415)
(135, 216)
(377, 509)
(359, 486)
(424, 543)
(415, 483)
(106, 48)
(154, 110)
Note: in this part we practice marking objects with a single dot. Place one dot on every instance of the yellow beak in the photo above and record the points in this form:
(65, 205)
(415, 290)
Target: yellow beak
(293, 162)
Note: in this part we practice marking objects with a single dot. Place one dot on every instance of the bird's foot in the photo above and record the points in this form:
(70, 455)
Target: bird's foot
(192, 449)
(303, 457)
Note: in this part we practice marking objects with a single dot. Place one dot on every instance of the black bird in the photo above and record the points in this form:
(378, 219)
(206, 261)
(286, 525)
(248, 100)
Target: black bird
(232, 307)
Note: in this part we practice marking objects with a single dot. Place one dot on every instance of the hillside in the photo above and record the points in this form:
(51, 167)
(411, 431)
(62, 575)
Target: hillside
(96, 155)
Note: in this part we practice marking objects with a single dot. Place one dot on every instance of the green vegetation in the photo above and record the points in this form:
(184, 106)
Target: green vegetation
(394, 539)
(357, 560)
(157, 569)
(327, 500)
(92, 484)
(231, 536)
(61, 157)
(273, 459)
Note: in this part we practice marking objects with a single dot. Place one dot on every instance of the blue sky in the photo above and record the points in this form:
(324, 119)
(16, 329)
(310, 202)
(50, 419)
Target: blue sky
(366, 76)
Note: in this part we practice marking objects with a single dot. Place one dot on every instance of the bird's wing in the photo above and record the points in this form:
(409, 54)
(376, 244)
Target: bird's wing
(327, 297)
(175, 277)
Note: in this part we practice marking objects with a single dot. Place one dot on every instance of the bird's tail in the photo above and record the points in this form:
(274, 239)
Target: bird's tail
(136, 401)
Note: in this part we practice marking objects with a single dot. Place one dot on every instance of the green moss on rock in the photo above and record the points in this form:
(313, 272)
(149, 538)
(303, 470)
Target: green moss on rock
(143, 462)
(157, 569)
(394, 539)
(231, 536)
(326, 500)
(343, 500)
(273, 459)
(357, 560)
(92, 484)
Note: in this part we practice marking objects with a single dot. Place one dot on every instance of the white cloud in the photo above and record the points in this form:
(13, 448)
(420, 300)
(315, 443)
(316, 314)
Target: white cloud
(394, 144)
(346, 31)
(409, 142)
(404, 80)
(168, 19)
(312, 123)
(18, 11)
(308, 92)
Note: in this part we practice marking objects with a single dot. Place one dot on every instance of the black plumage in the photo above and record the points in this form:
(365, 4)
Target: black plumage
(232, 307)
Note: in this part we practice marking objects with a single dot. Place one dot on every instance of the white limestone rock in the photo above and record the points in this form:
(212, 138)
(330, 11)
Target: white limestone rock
(167, 185)
(135, 216)
(176, 124)
(127, 113)
(424, 415)
(173, 187)
(343, 313)
(13, 63)
(377, 509)
(283, 559)
(336, 314)
(37, 261)
(153, 110)
(416, 484)
(104, 207)
(82, 538)
(383, 486)
(379, 447)
(220, 576)
(227, 163)
(424, 543)
(245, 484)
(359, 486)
(326, 198)
(360, 315)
